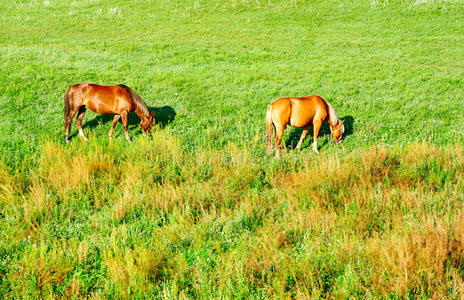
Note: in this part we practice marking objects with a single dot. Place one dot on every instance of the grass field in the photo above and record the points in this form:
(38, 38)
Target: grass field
(198, 210)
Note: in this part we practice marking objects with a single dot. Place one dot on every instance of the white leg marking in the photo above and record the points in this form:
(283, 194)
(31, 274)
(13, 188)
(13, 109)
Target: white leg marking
(81, 133)
(315, 147)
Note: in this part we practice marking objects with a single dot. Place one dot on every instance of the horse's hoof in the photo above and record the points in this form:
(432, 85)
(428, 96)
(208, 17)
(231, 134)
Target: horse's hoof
(66, 141)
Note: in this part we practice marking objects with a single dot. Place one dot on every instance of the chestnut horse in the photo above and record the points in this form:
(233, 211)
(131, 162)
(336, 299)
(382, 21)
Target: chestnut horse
(301, 112)
(104, 99)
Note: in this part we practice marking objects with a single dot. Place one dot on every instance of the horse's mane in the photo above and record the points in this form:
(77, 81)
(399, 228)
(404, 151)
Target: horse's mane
(332, 114)
(142, 106)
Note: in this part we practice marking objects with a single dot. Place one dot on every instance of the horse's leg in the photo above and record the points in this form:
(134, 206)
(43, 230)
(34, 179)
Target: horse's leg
(316, 126)
(115, 121)
(79, 118)
(279, 134)
(124, 122)
(303, 136)
(67, 123)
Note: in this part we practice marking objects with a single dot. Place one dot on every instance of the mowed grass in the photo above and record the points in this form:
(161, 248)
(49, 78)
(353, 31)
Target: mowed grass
(198, 209)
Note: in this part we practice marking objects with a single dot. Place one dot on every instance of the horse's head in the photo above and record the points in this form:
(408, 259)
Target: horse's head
(337, 131)
(146, 123)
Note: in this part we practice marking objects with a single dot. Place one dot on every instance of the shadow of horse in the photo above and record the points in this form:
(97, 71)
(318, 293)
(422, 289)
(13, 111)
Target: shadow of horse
(163, 116)
(295, 133)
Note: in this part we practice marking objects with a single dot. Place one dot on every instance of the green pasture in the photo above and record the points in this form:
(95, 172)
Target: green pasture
(393, 69)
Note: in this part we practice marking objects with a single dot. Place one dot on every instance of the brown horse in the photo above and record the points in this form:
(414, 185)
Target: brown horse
(301, 112)
(104, 99)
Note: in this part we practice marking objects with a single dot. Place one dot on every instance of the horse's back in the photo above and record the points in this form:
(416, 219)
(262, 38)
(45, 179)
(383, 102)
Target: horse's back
(98, 88)
(299, 111)
(103, 99)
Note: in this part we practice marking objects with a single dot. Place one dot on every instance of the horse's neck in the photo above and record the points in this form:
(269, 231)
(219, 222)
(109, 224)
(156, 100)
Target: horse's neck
(333, 118)
(141, 113)
(332, 122)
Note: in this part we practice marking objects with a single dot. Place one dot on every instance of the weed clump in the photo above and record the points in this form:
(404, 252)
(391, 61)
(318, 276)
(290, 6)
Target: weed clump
(164, 221)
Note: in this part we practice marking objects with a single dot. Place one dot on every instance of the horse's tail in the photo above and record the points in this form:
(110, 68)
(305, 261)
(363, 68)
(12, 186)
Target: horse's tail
(66, 104)
(269, 126)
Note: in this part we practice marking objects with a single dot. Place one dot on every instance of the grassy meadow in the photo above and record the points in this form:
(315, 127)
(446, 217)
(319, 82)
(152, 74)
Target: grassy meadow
(197, 210)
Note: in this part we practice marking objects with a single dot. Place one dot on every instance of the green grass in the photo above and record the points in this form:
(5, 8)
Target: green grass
(198, 209)
(396, 70)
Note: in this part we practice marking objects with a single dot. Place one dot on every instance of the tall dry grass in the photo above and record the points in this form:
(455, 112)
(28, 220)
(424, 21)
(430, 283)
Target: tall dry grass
(156, 220)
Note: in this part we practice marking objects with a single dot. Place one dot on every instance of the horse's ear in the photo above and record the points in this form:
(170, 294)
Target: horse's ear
(151, 115)
(341, 122)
